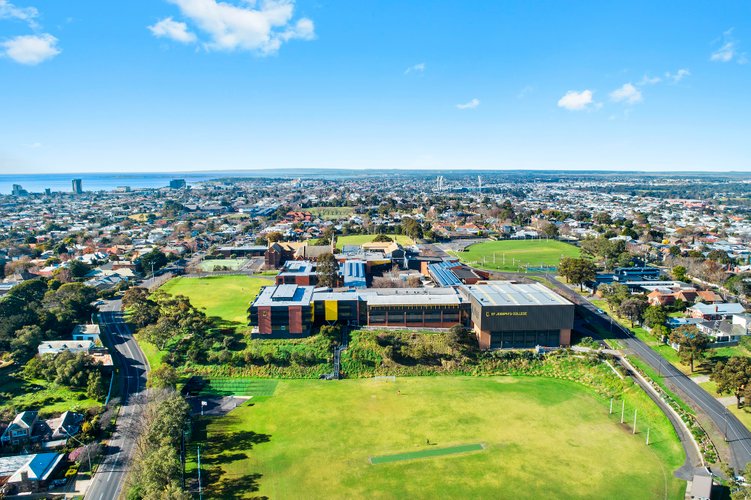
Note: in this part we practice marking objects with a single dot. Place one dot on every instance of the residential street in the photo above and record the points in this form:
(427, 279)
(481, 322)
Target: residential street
(109, 480)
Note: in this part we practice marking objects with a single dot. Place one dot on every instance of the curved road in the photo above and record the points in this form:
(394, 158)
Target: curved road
(734, 432)
(109, 479)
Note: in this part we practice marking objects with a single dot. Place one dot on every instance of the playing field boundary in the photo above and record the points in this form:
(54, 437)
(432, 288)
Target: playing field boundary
(428, 453)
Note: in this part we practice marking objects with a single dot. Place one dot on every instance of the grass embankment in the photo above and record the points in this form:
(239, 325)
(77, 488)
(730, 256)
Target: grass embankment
(516, 255)
(359, 239)
(314, 439)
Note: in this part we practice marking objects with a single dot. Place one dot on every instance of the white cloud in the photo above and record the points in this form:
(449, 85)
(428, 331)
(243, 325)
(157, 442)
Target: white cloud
(526, 90)
(469, 105)
(627, 93)
(245, 27)
(724, 53)
(649, 80)
(25, 14)
(169, 28)
(728, 50)
(417, 68)
(31, 49)
(576, 101)
(678, 75)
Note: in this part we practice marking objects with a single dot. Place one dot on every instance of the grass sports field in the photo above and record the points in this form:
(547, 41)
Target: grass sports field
(511, 255)
(500, 437)
(225, 297)
(359, 239)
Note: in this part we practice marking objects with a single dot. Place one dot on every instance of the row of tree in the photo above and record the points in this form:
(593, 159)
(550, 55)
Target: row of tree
(161, 421)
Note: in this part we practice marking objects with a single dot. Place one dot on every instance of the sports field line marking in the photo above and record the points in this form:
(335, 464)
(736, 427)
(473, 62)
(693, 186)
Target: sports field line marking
(428, 453)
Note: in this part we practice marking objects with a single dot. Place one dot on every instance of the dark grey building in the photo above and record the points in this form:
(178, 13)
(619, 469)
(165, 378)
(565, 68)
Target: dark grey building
(519, 315)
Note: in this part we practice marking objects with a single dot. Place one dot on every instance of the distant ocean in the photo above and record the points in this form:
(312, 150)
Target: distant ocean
(37, 183)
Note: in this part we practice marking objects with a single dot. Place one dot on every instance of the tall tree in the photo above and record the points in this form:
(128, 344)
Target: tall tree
(692, 345)
(633, 308)
(733, 376)
(577, 271)
(328, 270)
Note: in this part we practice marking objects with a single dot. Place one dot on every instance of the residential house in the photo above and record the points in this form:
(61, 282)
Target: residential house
(727, 330)
(27, 473)
(21, 429)
(710, 312)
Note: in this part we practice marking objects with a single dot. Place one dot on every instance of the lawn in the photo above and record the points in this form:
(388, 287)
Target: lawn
(19, 393)
(516, 255)
(359, 239)
(456, 437)
(224, 297)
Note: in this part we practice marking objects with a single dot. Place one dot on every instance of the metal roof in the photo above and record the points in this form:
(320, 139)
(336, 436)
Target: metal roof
(284, 295)
(443, 275)
(505, 293)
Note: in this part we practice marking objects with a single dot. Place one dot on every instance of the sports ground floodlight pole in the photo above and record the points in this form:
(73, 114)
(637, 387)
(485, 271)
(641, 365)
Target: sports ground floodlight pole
(623, 409)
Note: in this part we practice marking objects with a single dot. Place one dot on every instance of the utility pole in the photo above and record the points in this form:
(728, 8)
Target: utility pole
(200, 489)
(611, 407)
(634, 421)
(648, 429)
(623, 409)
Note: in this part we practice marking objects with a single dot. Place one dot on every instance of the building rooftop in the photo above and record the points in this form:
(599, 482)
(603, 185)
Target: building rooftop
(412, 296)
(284, 295)
(506, 293)
(298, 267)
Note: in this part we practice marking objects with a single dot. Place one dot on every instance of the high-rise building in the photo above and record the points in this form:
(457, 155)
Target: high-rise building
(77, 186)
(18, 190)
(177, 184)
(48, 191)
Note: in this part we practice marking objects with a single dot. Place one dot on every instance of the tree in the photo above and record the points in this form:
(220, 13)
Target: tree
(274, 236)
(733, 376)
(692, 344)
(328, 270)
(550, 230)
(151, 262)
(680, 273)
(94, 386)
(655, 316)
(633, 308)
(163, 377)
(577, 271)
(383, 238)
(142, 310)
(412, 228)
(614, 294)
(24, 346)
(78, 269)
(70, 304)
(160, 333)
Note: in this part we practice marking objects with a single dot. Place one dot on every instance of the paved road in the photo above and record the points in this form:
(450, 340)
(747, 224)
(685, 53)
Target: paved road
(109, 479)
(737, 435)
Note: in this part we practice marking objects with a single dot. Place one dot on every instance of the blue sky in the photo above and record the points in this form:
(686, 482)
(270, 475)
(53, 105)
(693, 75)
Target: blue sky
(158, 85)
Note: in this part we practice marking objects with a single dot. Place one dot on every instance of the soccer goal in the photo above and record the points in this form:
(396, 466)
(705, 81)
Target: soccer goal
(385, 378)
